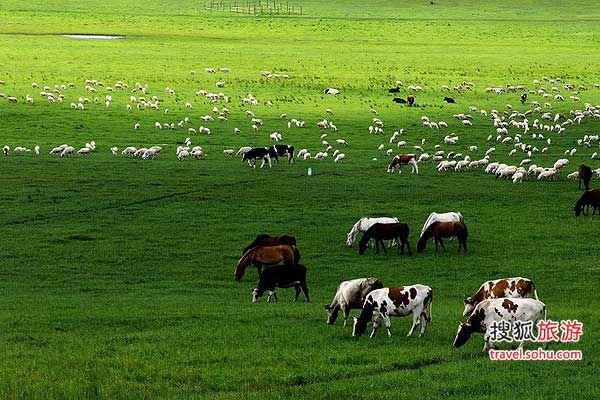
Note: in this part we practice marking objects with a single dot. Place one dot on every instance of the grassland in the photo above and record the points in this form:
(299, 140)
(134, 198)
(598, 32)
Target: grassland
(117, 274)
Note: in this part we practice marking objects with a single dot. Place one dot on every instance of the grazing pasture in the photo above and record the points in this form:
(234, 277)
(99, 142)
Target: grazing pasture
(118, 271)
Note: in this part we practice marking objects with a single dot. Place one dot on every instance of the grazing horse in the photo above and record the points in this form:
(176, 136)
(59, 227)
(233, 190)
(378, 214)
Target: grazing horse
(264, 240)
(585, 176)
(269, 255)
(403, 159)
(441, 230)
(591, 197)
(268, 240)
(441, 217)
(381, 232)
(363, 224)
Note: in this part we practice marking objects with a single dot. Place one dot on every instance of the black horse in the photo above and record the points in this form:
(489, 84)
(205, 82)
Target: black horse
(591, 197)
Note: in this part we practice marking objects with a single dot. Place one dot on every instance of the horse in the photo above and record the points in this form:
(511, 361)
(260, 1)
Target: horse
(403, 159)
(441, 217)
(267, 255)
(439, 230)
(585, 176)
(267, 240)
(363, 224)
(381, 232)
(591, 197)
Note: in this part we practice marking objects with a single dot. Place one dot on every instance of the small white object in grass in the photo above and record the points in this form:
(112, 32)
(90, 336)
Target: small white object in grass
(309, 173)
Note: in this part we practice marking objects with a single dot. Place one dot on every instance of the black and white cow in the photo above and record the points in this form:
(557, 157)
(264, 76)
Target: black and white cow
(281, 276)
(499, 310)
(399, 100)
(257, 153)
(449, 100)
(350, 295)
(381, 304)
(282, 150)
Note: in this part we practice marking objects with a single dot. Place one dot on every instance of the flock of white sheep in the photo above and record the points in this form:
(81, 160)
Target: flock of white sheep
(510, 130)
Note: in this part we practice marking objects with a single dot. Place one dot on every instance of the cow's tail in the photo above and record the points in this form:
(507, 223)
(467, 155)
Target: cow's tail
(429, 302)
(535, 294)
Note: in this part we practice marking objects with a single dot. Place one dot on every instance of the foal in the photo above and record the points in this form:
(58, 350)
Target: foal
(440, 230)
(380, 232)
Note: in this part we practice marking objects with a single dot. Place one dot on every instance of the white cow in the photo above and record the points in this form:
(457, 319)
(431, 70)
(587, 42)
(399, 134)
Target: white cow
(350, 295)
(499, 310)
(381, 304)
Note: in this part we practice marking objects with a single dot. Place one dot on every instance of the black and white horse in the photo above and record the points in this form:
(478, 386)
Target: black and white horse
(255, 154)
(282, 150)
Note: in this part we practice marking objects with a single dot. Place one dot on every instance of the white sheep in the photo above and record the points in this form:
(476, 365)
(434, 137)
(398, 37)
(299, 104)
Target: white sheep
(67, 151)
(340, 157)
(84, 150)
(547, 174)
(182, 154)
(129, 150)
(341, 142)
(228, 152)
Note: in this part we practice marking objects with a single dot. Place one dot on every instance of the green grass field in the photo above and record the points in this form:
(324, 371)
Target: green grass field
(117, 273)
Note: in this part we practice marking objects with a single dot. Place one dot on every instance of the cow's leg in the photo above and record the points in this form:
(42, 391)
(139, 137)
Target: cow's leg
(408, 247)
(424, 322)
(465, 244)
(415, 322)
(271, 294)
(376, 324)
(269, 160)
(486, 342)
(376, 246)
(400, 244)
(435, 239)
(346, 312)
(388, 325)
(382, 246)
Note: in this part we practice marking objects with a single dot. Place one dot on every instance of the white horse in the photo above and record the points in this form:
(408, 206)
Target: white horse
(441, 217)
(365, 223)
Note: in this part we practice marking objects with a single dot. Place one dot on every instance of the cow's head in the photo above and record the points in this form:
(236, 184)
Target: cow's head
(469, 306)
(332, 313)
(463, 334)
(350, 239)
(374, 283)
(362, 246)
(256, 295)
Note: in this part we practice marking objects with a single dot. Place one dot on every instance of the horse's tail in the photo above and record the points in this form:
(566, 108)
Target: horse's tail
(296, 253)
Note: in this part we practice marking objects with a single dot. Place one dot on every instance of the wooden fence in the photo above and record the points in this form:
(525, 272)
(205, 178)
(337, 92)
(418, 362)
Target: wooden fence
(260, 7)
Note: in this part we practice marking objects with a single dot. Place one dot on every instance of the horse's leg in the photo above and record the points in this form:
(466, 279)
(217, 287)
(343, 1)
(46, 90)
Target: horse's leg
(298, 290)
(305, 290)
(383, 246)
(442, 244)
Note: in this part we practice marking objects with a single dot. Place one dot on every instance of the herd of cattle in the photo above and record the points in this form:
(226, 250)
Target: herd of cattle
(500, 300)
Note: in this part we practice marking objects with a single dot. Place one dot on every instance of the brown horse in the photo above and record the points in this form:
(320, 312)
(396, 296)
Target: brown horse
(268, 240)
(381, 232)
(585, 176)
(267, 255)
(440, 230)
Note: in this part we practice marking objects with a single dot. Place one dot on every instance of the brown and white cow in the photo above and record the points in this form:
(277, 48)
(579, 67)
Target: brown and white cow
(507, 287)
(403, 159)
(381, 304)
(350, 295)
(497, 310)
